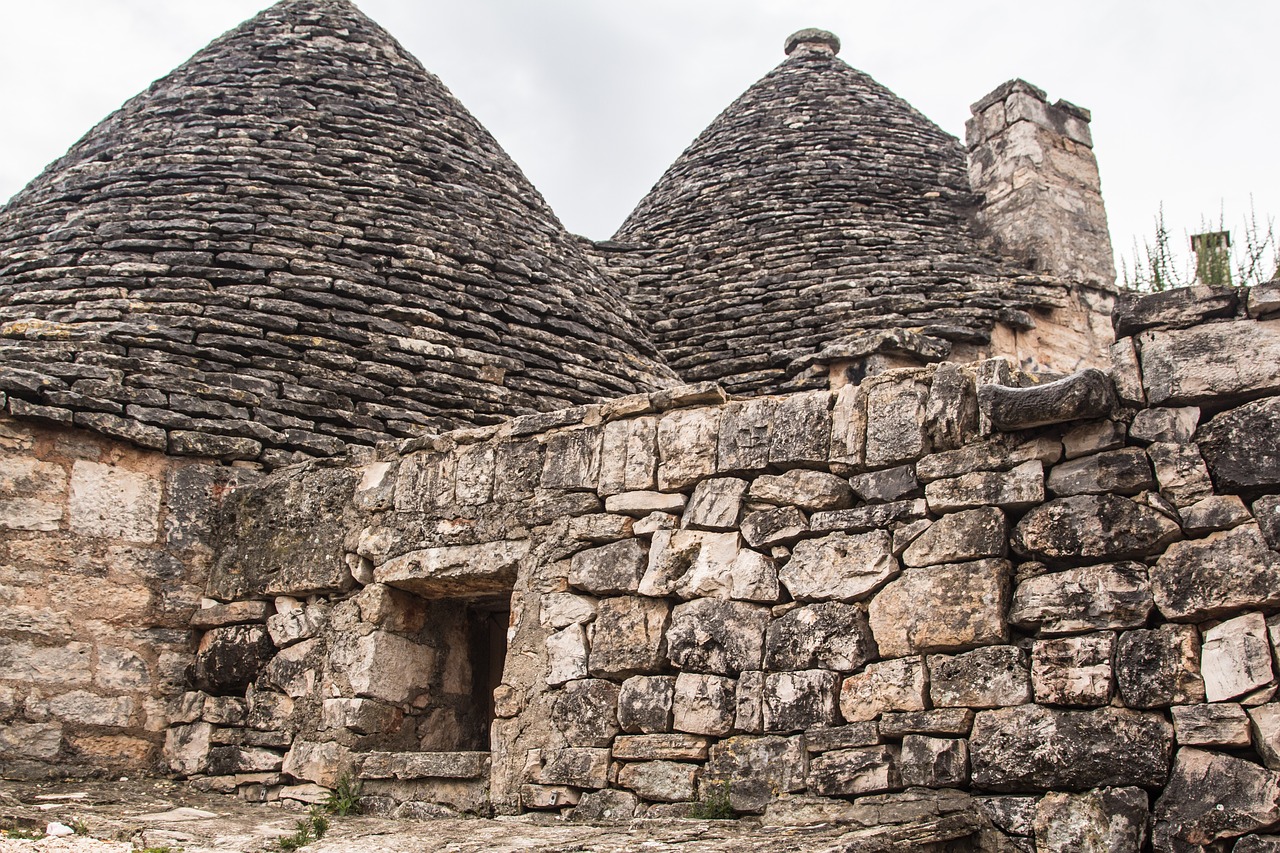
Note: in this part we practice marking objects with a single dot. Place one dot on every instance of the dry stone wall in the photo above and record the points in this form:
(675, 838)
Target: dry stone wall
(1059, 598)
(104, 554)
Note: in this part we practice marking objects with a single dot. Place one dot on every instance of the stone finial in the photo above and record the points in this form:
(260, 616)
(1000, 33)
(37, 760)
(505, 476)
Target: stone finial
(814, 40)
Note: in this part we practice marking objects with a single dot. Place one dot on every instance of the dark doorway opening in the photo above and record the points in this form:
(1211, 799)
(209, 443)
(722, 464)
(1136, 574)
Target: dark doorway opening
(487, 648)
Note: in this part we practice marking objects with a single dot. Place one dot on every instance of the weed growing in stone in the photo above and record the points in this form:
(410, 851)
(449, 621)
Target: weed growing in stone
(345, 798)
(714, 804)
(308, 829)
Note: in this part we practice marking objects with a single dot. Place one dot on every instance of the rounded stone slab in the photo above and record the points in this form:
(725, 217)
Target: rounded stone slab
(812, 38)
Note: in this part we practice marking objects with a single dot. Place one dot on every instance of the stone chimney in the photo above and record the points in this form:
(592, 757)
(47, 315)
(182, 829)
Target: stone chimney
(1032, 162)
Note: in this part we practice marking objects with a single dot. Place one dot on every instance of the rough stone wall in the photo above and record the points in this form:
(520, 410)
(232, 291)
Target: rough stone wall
(1059, 598)
(104, 553)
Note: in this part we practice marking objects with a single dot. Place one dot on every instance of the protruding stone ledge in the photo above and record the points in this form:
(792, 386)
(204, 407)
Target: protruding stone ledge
(1081, 396)
(425, 765)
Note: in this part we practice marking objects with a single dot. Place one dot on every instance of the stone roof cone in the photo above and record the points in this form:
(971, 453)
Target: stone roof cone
(296, 240)
(817, 206)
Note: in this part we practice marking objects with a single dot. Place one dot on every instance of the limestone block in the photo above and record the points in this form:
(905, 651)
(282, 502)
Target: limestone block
(567, 655)
(687, 447)
(1108, 820)
(549, 796)
(1181, 472)
(474, 475)
(703, 704)
(1093, 437)
(829, 635)
(893, 685)
(757, 769)
(1211, 796)
(1172, 309)
(840, 566)
(999, 453)
(572, 460)
(1159, 667)
(607, 806)
(1080, 396)
(561, 609)
(1222, 573)
(896, 422)
(942, 608)
(754, 577)
(1214, 513)
(1264, 300)
(887, 484)
(1012, 490)
(613, 569)
(83, 708)
(298, 625)
(801, 487)
(1108, 595)
(322, 763)
(601, 528)
(1093, 527)
(773, 526)
(848, 429)
(905, 534)
(381, 665)
(1222, 724)
(219, 710)
(68, 665)
(362, 716)
(958, 537)
(871, 517)
(716, 504)
(745, 428)
(409, 766)
(629, 637)
(1073, 670)
(1236, 658)
(186, 748)
(942, 721)
(853, 772)
(697, 563)
(644, 703)
(653, 522)
(795, 701)
(642, 503)
(113, 503)
(295, 671)
(748, 715)
(455, 570)
(951, 414)
(580, 767)
(1125, 372)
(932, 762)
(1257, 844)
(1011, 815)
(989, 677)
(661, 747)
(716, 636)
(1191, 366)
(660, 781)
(801, 429)
(628, 456)
(30, 514)
(214, 615)
(1124, 472)
(864, 733)
(1176, 425)
(1032, 748)
(585, 712)
(1264, 726)
(229, 658)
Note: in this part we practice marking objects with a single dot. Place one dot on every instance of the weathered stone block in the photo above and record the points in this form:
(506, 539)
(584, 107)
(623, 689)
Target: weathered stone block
(1165, 424)
(113, 503)
(561, 609)
(644, 703)
(1264, 725)
(322, 763)
(660, 781)
(695, 563)
(607, 806)
(1181, 472)
(1080, 396)
(186, 748)
(848, 429)
(236, 613)
(362, 716)
(628, 456)
(1222, 573)
(640, 504)
(716, 636)
(661, 747)
(932, 762)
(1124, 472)
(1211, 796)
(794, 701)
(871, 517)
(1093, 437)
(704, 704)
(1031, 748)
(1093, 527)
(585, 712)
(1222, 724)
(629, 637)
(1073, 670)
(381, 665)
(852, 772)
(748, 715)
(576, 766)
(567, 655)
(942, 721)
(801, 429)
(989, 677)
(951, 414)
(893, 685)
(999, 453)
(1192, 366)
(295, 671)
(687, 447)
(958, 537)
(1013, 490)
(895, 425)
(456, 571)
(1171, 309)
(299, 624)
(548, 796)
(757, 769)
(840, 566)
(1108, 820)
(745, 428)
(572, 459)
(864, 733)
(613, 569)
(229, 659)
(942, 608)
(716, 504)
(1236, 658)
(1160, 667)
(830, 635)
(1109, 595)
(1239, 449)
(804, 488)
(887, 484)
(773, 526)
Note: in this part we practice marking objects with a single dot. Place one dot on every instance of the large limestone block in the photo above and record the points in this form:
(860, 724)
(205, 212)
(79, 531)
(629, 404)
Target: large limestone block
(745, 428)
(642, 503)
(999, 453)
(1183, 478)
(795, 701)
(229, 659)
(1159, 667)
(969, 535)
(645, 703)
(716, 504)
(1013, 490)
(1080, 396)
(1222, 573)
(628, 456)
(1204, 364)
(933, 762)
(887, 484)
(454, 571)
(613, 569)
(895, 424)
(801, 430)
(1220, 724)
(572, 459)
(1165, 424)
(566, 655)
(716, 636)
(687, 447)
(660, 781)
(562, 609)
(699, 563)
(704, 704)
(748, 715)
(629, 637)
(109, 502)
(989, 677)
(1107, 820)
(1109, 595)
(1124, 472)
(848, 429)
(942, 609)
(1176, 308)
(829, 635)
(767, 527)
(580, 767)
(757, 769)
(1073, 670)
(1031, 748)
(801, 487)
(1211, 796)
(661, 747)
(840, 566)
(322, 763)
(1093, 527)
(853, 772)
(892, 685)
(1236, 658)
(585, 712)
(381, 665)
(1264, 725)
(1240, 449)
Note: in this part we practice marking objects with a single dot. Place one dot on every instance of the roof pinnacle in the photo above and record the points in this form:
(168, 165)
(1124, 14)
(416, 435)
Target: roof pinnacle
(820, 41)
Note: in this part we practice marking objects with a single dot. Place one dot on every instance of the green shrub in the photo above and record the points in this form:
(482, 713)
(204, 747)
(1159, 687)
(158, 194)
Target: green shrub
(714, 804)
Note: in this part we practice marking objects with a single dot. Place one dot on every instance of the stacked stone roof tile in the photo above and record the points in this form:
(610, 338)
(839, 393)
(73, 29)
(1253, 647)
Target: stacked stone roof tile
(818, 205)
(298, 240)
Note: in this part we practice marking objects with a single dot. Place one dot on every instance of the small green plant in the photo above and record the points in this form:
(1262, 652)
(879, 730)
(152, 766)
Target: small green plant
(79, 826)
(157, 850)
(714, 804)
(345, 798)
(308, 829)
(17, 833)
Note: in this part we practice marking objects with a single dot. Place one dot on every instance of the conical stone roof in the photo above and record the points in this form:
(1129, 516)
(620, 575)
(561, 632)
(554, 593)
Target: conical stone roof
(817, 206)
(297, 240)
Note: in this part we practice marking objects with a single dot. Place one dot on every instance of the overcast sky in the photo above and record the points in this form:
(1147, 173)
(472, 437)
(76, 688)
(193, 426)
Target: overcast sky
(595, 98)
